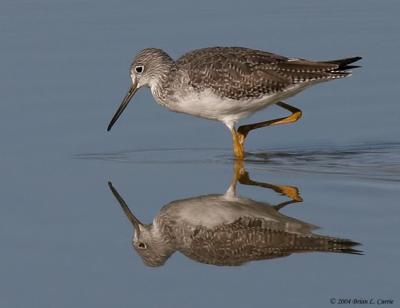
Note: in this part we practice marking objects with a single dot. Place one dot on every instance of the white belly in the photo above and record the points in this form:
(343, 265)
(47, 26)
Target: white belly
(214, 210)
(208, 105)
(210, 211)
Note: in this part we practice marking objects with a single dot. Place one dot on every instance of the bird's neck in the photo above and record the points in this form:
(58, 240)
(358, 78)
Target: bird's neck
(161, 85)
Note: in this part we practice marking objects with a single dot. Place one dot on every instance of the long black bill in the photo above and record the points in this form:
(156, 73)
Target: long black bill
(135, 222)
(123, 105)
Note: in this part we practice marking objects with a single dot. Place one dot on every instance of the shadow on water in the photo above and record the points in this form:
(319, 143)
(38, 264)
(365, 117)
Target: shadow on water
(369, 161)
(227, 229)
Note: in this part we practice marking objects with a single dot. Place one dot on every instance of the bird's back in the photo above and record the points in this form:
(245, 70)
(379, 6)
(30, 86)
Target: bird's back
(250, 239)
(242, 73)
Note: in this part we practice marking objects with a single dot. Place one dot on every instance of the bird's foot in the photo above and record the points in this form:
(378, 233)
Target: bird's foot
(290, 191)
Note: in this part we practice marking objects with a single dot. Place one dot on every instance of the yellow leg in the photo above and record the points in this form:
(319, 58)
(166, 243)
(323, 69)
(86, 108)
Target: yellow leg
(243, 130)
(294, 117)
(238, 148)
(291, 192)
(238, 169)
(242, 176)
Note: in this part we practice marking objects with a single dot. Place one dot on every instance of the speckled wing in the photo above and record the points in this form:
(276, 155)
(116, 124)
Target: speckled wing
(249, 239)
(240, 73)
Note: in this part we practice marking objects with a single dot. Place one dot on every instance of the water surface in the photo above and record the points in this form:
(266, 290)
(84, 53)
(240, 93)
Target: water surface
(64, 70)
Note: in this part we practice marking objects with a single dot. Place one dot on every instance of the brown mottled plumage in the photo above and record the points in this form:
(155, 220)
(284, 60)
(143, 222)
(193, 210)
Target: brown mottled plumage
(250, 239)
(226, 230)
(242, 73)
(228, 84)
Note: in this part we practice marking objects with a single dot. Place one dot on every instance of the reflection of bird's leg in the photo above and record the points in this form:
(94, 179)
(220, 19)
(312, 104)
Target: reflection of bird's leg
(289, 191)
(242, 176)
(238, 170)
(243, 130)
(279, 206)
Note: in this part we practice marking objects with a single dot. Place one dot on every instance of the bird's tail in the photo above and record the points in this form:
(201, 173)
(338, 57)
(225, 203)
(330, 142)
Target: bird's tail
(329, 244)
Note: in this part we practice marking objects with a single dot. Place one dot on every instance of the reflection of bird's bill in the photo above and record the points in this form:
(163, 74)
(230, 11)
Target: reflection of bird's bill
(135, 222)
(121, 108)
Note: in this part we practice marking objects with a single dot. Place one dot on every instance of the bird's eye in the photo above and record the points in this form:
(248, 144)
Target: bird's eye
(139, 69)
(142, 245)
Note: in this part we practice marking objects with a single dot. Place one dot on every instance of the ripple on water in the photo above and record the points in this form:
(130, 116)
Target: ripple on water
(373, 161)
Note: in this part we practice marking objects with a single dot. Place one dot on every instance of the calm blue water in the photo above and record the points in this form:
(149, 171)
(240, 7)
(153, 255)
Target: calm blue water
(64, 69)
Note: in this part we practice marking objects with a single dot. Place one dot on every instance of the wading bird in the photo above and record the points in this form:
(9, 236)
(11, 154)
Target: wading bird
(228, 84)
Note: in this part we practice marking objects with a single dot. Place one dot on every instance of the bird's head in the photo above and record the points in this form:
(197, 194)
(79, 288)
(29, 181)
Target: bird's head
(147, 240)
(148, 69)
(149, 244)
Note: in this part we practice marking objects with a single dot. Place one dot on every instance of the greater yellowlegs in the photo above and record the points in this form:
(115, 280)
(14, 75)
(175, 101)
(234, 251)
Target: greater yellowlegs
(228, 83)
(226, 229)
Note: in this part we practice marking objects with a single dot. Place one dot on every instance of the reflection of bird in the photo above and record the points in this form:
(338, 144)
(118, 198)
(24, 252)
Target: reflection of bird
(228, 83)
(226, 230)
